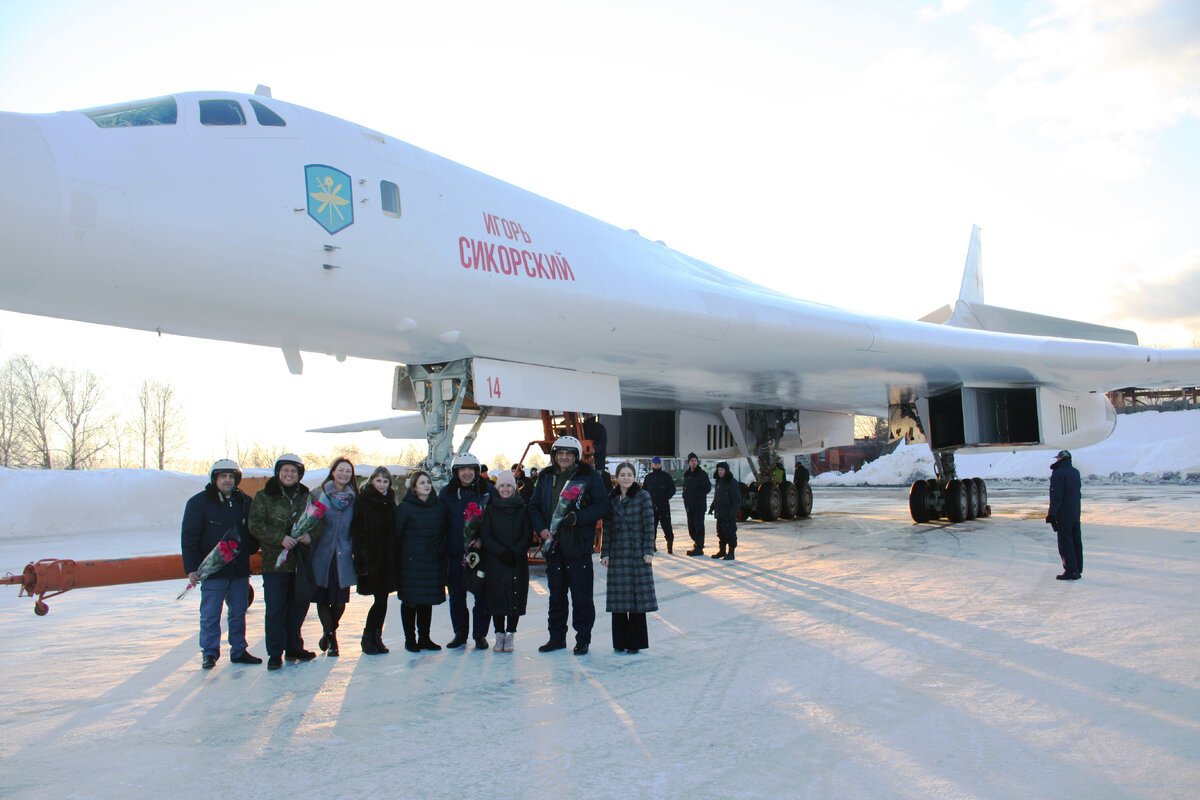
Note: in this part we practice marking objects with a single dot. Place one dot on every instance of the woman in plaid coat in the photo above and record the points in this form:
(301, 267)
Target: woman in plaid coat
(627, 552)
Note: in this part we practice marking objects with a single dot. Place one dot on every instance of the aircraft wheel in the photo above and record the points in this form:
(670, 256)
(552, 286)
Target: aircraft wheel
(250, 597)
(935, 500)
(806, 500)
(40, 608)
(791, 501)
(918, 501)
(956, 501)
(984, 509)
(768, 502)
(750, 500)
(972, 492)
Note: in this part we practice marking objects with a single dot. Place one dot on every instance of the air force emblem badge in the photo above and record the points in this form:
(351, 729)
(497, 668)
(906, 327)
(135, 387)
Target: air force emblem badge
(329, 197)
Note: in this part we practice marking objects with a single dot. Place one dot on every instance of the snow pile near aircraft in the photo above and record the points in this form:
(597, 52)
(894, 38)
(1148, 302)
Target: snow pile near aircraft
(1146, 447)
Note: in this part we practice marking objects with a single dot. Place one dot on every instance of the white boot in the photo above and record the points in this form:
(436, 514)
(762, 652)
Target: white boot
(500, 639)
(508, 642)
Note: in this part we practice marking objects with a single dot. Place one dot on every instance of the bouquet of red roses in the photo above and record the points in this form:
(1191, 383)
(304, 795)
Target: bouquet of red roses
(225, 551)
(313, 513)
(570, 494)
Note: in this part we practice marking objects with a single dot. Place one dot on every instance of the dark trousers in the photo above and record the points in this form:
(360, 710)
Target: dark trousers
(629, 631)
(662, 516)
(415, 617)
(498, 621)
(574, 577)
(1070, 547)
(727, 531)
(459, 619)
(378, 612)
(283, 616)
(695, 517)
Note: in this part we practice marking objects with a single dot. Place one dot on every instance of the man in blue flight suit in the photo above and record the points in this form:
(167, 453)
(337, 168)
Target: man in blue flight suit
(466, 486)
(1065, 510)
(569, 560)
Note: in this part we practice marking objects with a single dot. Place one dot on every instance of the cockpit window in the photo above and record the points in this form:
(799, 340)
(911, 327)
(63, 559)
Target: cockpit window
(159, 111)
(266, 116)
(221, 112)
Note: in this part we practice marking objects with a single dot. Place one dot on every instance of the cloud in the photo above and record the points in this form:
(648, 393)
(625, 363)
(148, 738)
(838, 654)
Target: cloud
(948, 8)
(1103, 75)
(1171, 299)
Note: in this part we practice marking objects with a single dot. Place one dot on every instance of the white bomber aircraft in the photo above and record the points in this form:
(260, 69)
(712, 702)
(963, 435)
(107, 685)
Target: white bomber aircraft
(243, 218)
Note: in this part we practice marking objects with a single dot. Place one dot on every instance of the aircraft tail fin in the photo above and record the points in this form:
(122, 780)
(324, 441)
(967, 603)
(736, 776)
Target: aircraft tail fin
(971, 312)
(971, 290)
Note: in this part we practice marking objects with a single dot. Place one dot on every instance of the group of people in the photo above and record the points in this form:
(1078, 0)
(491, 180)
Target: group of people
(471, 538)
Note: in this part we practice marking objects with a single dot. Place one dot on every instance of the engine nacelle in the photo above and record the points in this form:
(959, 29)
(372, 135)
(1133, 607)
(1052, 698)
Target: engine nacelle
(981, 419)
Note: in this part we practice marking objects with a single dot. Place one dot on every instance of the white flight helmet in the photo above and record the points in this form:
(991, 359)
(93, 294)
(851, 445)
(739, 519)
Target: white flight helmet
(225, 465)
(567, 443)
(464, 460)
(289, 458)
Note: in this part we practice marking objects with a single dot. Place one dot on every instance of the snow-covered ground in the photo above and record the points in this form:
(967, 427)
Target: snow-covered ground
(852, 655)
(1147, 447)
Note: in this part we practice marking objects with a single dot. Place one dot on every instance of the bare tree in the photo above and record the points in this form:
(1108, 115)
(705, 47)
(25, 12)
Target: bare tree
(164, 422)
(37, 404)
(85, 432)
(12, 445)
(257, 455)
(141, 423)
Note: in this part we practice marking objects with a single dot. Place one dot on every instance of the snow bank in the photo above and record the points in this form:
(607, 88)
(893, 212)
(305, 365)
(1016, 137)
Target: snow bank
(1146, 447)
(36, 502)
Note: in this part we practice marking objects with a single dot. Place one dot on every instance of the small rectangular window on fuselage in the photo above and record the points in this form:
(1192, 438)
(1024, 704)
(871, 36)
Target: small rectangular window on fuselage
(389, 198)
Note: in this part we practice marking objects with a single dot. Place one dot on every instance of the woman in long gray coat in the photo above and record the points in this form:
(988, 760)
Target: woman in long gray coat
(627, 552)
(333, 560)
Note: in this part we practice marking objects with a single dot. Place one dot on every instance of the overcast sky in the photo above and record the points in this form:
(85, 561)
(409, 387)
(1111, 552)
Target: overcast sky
(837, 151)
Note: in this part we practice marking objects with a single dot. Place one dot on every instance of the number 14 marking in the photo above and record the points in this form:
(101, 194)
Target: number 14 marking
(493, 386)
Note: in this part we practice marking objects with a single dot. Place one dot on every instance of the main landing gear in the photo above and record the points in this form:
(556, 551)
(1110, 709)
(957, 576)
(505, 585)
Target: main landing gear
(947, 495)
(765, 498)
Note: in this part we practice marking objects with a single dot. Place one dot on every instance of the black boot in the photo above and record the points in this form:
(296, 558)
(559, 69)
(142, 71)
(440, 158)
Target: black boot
(408, 618)
(729, 555)
(379, 645)
(670, 546)
(368, 642)
(331, 645)
(720, 552)
(424, 616)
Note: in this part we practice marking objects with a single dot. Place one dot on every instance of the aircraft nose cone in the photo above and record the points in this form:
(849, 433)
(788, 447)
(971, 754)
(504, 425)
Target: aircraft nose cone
(29, 209)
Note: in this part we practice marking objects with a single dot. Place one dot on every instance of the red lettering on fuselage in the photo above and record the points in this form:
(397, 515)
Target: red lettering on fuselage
(486, 256)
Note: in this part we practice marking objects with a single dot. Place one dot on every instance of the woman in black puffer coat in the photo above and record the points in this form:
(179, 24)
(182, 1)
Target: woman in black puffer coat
(421, 524)
(506, 534)
(372, 534)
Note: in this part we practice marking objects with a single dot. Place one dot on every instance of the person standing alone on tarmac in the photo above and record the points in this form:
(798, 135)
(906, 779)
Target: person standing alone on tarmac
(661, 487)
(696, 487)
(727, 500)
(219, 514)
(569, 560)
(1065, 510)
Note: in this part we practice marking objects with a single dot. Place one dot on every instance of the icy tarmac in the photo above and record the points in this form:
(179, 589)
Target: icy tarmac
(850, 655)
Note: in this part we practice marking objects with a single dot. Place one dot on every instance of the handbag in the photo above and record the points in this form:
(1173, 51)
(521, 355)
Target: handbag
(573, 543)
(473, 575)
(305, 585)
